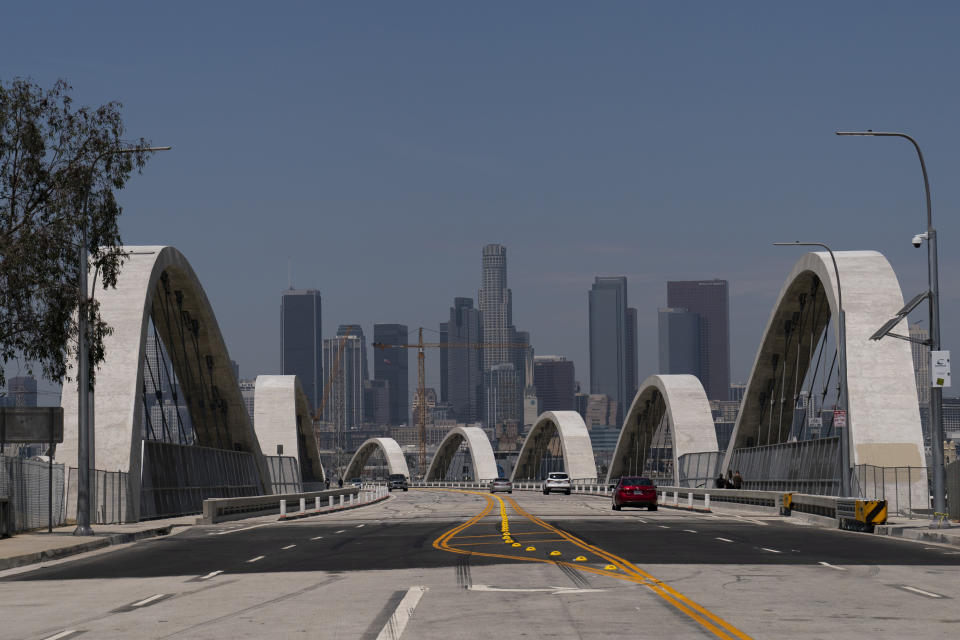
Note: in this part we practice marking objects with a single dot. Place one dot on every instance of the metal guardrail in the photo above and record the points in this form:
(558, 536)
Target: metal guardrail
(223, 509)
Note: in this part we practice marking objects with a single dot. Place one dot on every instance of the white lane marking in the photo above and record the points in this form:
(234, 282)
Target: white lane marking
(317, 538)
(759, 522)
(257, 558)
(148, 600)
(551, 590)
(360, 525)
(689, 530)
(770, 550)
(827, 564)
(341, 531)
(210, 575)
(921, 592)
(62, 634)
(223, 533)
(663, 526)
(289, 546)
(725, 539)
(641, 520)
(394, 627)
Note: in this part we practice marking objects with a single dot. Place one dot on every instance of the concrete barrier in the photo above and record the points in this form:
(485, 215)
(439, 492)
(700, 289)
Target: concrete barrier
(223, 509)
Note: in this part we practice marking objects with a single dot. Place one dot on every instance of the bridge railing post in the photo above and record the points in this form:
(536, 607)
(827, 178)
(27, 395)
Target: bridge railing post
(283, 508)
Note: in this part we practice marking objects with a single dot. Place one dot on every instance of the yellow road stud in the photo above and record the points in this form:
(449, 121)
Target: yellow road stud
(580, 559)
(555, 553)
(515, 544)
(531, 548)
(611, 567)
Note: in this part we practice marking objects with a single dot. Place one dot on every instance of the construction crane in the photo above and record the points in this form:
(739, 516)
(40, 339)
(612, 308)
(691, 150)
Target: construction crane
(338, 401)
(420, 402)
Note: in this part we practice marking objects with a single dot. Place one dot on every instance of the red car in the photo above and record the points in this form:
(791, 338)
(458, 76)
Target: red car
(632, 491)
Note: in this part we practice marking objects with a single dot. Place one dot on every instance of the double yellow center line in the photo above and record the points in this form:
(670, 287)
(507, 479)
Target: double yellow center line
(624, 570)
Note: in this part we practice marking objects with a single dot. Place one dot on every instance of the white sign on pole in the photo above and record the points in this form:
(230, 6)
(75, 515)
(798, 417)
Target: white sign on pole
(939, 368)
(840, 418)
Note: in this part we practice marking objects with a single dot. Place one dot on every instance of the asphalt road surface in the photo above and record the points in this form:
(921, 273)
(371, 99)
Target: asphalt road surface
(451, 564)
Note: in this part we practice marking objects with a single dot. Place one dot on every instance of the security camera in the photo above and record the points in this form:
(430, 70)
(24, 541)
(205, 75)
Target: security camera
(918, 239)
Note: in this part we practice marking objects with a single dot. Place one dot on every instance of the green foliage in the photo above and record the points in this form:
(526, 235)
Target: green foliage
(56, 162)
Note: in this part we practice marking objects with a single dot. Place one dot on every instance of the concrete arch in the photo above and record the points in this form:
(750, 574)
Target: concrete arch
(481, 453)
(283, 422)
(683, 401)
(574, 442)
(396, 461)
(883, 416)
(149, 274)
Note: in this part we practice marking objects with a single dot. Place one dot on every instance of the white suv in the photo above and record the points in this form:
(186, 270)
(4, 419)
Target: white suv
(557, 481)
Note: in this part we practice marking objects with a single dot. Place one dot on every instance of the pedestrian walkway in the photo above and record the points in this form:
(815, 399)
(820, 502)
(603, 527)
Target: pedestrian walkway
(39, 546)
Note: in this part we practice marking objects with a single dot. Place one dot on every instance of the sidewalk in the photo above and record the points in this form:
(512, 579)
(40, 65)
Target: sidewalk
(923, 530)
(32, 547)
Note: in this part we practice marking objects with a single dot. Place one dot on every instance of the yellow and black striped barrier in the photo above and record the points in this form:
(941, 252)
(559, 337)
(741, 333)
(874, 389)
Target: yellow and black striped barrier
(861, 515)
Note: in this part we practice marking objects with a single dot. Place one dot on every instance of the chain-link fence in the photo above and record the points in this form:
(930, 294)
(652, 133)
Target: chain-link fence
(25, 486)
(284, 474)
(108, 496)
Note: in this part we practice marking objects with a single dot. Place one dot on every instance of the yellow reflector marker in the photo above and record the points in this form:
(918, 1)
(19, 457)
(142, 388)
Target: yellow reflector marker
(554, 553)
(531, 548)
(516, 544)
(611, 567)
(580, 559)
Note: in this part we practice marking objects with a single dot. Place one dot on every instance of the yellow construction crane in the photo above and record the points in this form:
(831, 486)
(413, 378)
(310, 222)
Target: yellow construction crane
(420, 402)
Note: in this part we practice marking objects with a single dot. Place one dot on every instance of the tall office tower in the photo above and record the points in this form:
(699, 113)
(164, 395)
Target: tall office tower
(608, 341)
(23, 391)
(344, 407)
(235, 366)
(737, 391)
(462, 368)
(711, 300)
(679, 341)
(553, 377)
(496, 306)
(501, 394)
(301, 340)
(376, 401)
(633, 381)
(921, 362)
(391, 365)
(248, 389)
(601, 411)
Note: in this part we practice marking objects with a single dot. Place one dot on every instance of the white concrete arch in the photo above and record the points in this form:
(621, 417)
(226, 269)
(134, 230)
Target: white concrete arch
(149, 274)
(481, 453)
(396, 462)
(883, 416)
(683, 401)
(283, 422)
(575, 446)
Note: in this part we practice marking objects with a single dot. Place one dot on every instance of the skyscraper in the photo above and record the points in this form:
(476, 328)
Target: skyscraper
(348, 372)
(391, 365)
(608, 341)
(633, 381)
(553, 376)
(496, 306)
(461, 369)
(301, 340)
(679, 341)
(23, 391)
(710, 299)
(502, 394)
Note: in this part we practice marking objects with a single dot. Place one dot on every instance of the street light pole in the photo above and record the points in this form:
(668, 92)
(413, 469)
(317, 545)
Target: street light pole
(845, 463)
(936, 392)
(84, 424)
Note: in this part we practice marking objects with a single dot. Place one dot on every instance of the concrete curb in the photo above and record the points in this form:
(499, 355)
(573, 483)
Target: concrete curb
(82, 547)
(308, 514)
(921, 534)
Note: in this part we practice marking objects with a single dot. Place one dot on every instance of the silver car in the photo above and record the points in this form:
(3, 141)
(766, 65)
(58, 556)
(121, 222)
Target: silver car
(501, 484)
(556, 481)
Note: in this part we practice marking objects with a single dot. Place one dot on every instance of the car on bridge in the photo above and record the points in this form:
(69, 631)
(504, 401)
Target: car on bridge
(556, 481)
(396, 481)
(501, 484)
(634, 491)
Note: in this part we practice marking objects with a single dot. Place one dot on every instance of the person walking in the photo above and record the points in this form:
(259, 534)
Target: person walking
(737, 480)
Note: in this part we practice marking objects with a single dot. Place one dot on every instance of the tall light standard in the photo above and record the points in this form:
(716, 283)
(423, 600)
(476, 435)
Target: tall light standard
(933, 294)
(842, 351)
(83, 384)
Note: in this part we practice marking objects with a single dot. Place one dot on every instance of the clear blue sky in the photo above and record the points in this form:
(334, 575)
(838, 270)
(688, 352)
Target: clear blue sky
(379, 145)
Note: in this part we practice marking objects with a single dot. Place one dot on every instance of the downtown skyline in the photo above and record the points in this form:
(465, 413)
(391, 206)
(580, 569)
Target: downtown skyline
(377, 150)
